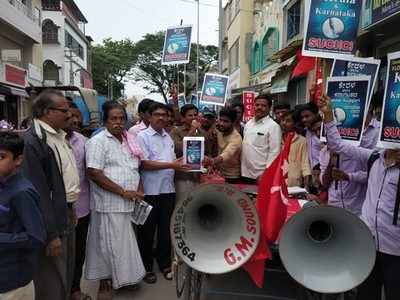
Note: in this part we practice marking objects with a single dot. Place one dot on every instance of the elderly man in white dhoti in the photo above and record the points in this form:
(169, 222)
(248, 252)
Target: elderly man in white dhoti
(113, 160)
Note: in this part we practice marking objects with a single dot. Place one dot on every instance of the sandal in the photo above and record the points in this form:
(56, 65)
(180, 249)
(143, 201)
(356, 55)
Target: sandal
(167, 273)
(150, 278)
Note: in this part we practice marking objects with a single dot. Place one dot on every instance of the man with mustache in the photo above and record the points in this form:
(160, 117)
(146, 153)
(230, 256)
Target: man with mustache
(113, 160)
(261, 141)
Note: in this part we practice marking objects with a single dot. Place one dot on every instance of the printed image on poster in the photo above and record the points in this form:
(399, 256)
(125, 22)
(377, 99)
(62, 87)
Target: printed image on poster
(248, 104)
(201, 106)
(389, 136)
(193, 152)
(181, 100)
(349, 99)
(330, 28)
(357, 66)
(214, 90)
(177, 45)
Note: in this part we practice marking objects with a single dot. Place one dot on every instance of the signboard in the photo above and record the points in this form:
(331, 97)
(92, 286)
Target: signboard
(330, 28)
(248, 103)
(349, 99)
(280, 82)
(214, 89)
(389, 136)
(177, 45)
(382, 9)
(13, 55)
(14, 75)
(357, 66)
(34, 72)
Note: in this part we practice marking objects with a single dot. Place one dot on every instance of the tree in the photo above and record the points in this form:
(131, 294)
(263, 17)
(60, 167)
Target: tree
(160, 79)
(112, 64)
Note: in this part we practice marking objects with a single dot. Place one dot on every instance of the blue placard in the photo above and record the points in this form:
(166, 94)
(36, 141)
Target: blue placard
(214, 89)
(390, 128)
(193, 154)
(349, 99)
(357, 66)
(177, 45)
(331, 28)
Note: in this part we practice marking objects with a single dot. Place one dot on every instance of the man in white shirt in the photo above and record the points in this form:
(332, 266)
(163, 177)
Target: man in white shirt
(261, 141)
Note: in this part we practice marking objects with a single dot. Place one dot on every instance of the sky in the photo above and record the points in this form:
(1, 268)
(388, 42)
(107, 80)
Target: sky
(132, 19)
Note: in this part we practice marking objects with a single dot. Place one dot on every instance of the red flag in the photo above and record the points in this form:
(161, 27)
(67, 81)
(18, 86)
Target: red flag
(304, 64)
(272, 202)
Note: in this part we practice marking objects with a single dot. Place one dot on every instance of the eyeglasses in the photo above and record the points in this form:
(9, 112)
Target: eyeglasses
(63, 110)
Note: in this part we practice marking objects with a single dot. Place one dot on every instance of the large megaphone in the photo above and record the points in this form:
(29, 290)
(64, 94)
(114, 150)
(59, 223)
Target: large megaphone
(327, 249)
(216, 229)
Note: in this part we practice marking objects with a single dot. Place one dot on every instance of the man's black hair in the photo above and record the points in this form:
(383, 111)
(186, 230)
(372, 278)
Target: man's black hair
(144, 105)
(317, 119)
(237, 103)
(170, 107)
(266, 97)
(229, 113)
(186, 108)
(11, 141)
(281, 106)
(44, 102)
(157, 105)
(317, 167)
(110, 105)
(73, 105)
(289, 113)
(311, 106)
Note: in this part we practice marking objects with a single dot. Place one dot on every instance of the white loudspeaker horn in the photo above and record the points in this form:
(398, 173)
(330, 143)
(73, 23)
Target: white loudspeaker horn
(216, 229)
(327, 249)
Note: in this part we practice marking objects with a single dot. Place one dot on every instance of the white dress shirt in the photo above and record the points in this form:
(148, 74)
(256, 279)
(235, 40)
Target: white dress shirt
(261, 145)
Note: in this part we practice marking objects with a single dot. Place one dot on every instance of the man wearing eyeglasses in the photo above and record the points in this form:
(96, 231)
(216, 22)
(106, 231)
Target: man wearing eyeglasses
(50, 165)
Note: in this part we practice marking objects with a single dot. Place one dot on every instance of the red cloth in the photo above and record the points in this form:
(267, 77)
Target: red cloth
(304, 64)
(272, 206)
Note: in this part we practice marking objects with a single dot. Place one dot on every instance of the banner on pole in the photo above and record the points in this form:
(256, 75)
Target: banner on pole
(214, 90)
(349, 99)
(358, 66)
(330, 28)
(177, 45)
(389, 136)
(248, 103)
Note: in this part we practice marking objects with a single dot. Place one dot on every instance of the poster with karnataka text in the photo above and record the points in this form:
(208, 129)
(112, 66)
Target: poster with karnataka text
(389, 136)
(349, 103)
(330, 28)
(177, 45)
(215, 88)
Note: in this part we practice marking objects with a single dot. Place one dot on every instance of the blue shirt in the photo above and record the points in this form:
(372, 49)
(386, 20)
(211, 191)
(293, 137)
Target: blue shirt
(21, 231)
(157, 147)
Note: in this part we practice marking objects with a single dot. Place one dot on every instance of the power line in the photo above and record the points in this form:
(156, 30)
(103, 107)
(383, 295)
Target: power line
(201, 3)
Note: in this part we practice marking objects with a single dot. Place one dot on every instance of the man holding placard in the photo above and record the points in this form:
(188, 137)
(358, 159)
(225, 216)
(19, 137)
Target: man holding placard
(379, 210)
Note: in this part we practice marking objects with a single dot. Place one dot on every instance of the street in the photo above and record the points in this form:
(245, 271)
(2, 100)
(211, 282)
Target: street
(163, 290)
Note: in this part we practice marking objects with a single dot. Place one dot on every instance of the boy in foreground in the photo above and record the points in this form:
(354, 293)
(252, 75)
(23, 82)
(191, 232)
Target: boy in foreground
(21, 226)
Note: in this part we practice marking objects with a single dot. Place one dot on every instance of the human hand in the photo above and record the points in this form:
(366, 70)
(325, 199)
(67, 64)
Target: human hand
(339, 175)
(325, 106)
(207, 161)
(132, 195)
(178, 165)
(195, 125)
(54, 248)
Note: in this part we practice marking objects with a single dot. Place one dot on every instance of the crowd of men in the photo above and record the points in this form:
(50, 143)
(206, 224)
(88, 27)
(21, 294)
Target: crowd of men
(67, 199)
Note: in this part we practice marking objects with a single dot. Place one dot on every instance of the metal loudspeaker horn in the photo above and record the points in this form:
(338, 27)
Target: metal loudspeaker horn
(215, 229)
(327, 249)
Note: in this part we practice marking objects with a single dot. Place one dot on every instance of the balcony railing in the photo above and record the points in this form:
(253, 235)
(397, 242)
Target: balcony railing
(30, 13)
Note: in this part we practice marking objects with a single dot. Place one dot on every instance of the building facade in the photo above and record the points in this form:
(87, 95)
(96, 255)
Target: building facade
(237, 29)
(66, 55)
(21, 56)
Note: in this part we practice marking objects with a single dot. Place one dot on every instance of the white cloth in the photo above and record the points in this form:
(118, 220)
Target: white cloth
(65, 160)
(104, 152)
(23, 293)
(261, 145)
(112, 251)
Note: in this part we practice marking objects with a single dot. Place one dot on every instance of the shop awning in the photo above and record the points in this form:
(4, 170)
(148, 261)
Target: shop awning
(281, 81)
(12, 91)
(289, 50)
(259, 88)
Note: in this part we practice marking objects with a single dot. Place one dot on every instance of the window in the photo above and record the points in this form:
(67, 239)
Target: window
(270, 45)
(256, 58)
(51, 4)
(50, 32)
(72, 44)
(50, 71)
(293, 21)
(234, 57)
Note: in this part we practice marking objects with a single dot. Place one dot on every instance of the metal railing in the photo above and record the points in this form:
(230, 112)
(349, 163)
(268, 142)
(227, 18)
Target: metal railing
(30, 13)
